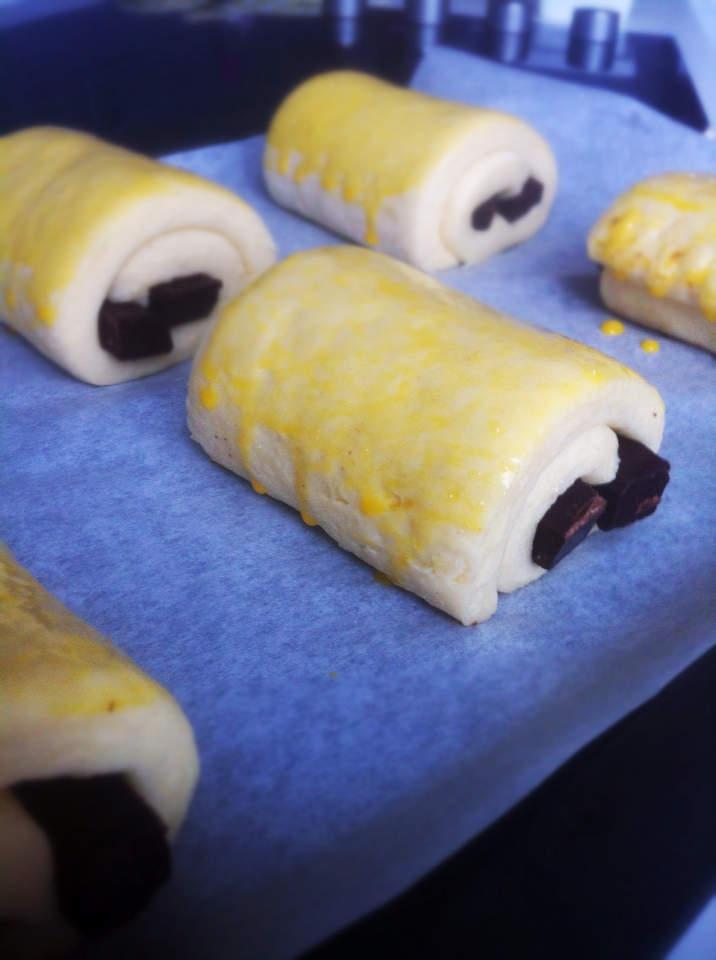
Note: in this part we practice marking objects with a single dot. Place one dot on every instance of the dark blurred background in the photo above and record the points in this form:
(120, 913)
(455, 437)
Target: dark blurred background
(160, 75)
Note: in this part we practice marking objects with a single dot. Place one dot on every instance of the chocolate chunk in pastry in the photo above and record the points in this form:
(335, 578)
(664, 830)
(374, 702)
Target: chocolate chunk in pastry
(637, 489)
(130, 331)
(510, 208)
(184, 299)
(566, 524)
(110, 850)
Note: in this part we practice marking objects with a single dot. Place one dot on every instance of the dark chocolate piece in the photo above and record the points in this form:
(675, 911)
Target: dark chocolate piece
(636, 490)
(513, 208)
(109, 847)
(483, 215)
(184, 299)
(509, 208)
(566, 524)
(130, 331)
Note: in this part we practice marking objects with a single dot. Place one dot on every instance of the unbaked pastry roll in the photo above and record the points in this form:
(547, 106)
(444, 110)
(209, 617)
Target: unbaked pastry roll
(449, 446)
(433, 182)
(657, 245)
(112, 264)
(97, 767)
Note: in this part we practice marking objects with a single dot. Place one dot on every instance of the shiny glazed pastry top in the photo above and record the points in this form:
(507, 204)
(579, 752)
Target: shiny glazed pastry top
(662, 232)
(426, 432)
(431, 181)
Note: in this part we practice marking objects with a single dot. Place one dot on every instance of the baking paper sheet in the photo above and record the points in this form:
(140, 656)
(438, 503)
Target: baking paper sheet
(351, 736)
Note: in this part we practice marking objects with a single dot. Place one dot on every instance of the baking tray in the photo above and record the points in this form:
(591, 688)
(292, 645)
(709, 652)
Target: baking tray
(351, 736)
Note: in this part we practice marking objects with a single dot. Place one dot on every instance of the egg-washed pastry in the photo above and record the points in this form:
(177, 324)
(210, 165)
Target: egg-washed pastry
(657, 246)
(97, 767)
(433, 182)
(456, 450)
(112, 264)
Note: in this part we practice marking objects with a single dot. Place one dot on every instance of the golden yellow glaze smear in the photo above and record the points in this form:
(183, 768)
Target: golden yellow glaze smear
(52, 663)
(308, 519)
(662, 233)
(650, 346)
(58, 190)
(258, 487)
(409, 399)
(612, 328)
(365, 139)
(209, 398)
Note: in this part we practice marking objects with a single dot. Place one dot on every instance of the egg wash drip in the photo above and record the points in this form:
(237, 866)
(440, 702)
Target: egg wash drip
(336, 128)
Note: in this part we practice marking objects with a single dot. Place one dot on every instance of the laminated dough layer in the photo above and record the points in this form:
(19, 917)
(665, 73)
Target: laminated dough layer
(84, 223)
(657, 245)
(73, 710)
(424, 432)
(430, 181)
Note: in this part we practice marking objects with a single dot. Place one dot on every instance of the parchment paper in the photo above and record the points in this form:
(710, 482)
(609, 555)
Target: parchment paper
(351, 736)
